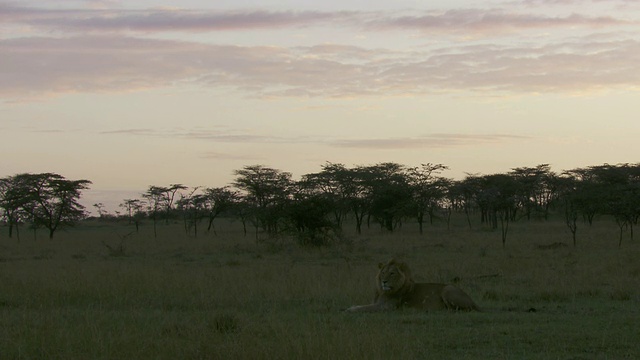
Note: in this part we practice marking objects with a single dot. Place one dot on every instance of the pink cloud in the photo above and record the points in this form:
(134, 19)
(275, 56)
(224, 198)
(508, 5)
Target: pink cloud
(155, 20)
(31, 67)
(479, 21)
(184, 20)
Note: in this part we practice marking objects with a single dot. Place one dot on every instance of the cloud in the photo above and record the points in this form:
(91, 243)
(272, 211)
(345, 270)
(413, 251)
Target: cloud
(427, 141)
(162, 20)
(573, 2)
(237, 136)
(478, 21)
(95, 57)
(222, 136)
(39, 129)
(226, 156)
(37, 67)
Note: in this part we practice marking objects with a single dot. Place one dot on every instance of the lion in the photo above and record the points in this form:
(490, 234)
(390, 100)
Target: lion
(395, 289)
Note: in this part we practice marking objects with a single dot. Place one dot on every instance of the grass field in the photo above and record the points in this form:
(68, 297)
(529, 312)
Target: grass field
(228, 297)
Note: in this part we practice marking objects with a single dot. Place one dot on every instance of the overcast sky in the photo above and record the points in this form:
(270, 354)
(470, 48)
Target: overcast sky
(129, 94)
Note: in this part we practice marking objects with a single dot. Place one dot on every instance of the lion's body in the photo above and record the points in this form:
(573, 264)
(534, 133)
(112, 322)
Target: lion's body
(395, 288)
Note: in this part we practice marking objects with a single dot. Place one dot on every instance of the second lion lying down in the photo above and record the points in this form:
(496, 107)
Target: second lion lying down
(395, 288)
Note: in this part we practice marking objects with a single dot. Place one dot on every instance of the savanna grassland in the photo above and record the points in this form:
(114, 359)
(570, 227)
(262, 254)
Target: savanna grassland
(102, 291)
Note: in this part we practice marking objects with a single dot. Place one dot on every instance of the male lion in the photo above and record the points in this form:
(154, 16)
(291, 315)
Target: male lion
(395, 288)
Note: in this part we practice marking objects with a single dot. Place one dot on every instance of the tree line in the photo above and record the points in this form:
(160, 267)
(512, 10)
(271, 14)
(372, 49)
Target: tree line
(315, 208)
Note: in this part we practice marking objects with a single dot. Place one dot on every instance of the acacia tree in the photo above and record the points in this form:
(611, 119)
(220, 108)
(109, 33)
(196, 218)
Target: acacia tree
(244, 210)
(427, 189)
(335, 183)
(620, 191)
(134, 209)
(216, 201)
(309, 214)
(570, 195)
(346, 190)
(155, 196)
(100, 209)
(467, 191)
(389, 194)
(160, 200)
(592, 193)
(536, 188)
(499, 198)
(266, 191)
(170, 194)
(451, 199)
(48, 199)
(10, 203)
(191, 207)
(355, 192)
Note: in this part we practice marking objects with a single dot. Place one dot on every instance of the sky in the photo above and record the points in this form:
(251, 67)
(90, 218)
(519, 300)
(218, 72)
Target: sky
(129, 94)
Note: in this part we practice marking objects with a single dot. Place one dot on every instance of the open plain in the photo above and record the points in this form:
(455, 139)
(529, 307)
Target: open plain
(102, 291)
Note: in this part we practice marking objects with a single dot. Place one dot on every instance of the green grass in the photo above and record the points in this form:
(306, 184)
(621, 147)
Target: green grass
(226, 296)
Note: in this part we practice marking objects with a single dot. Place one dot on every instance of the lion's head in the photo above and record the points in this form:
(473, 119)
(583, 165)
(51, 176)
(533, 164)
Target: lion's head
(393, 277)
